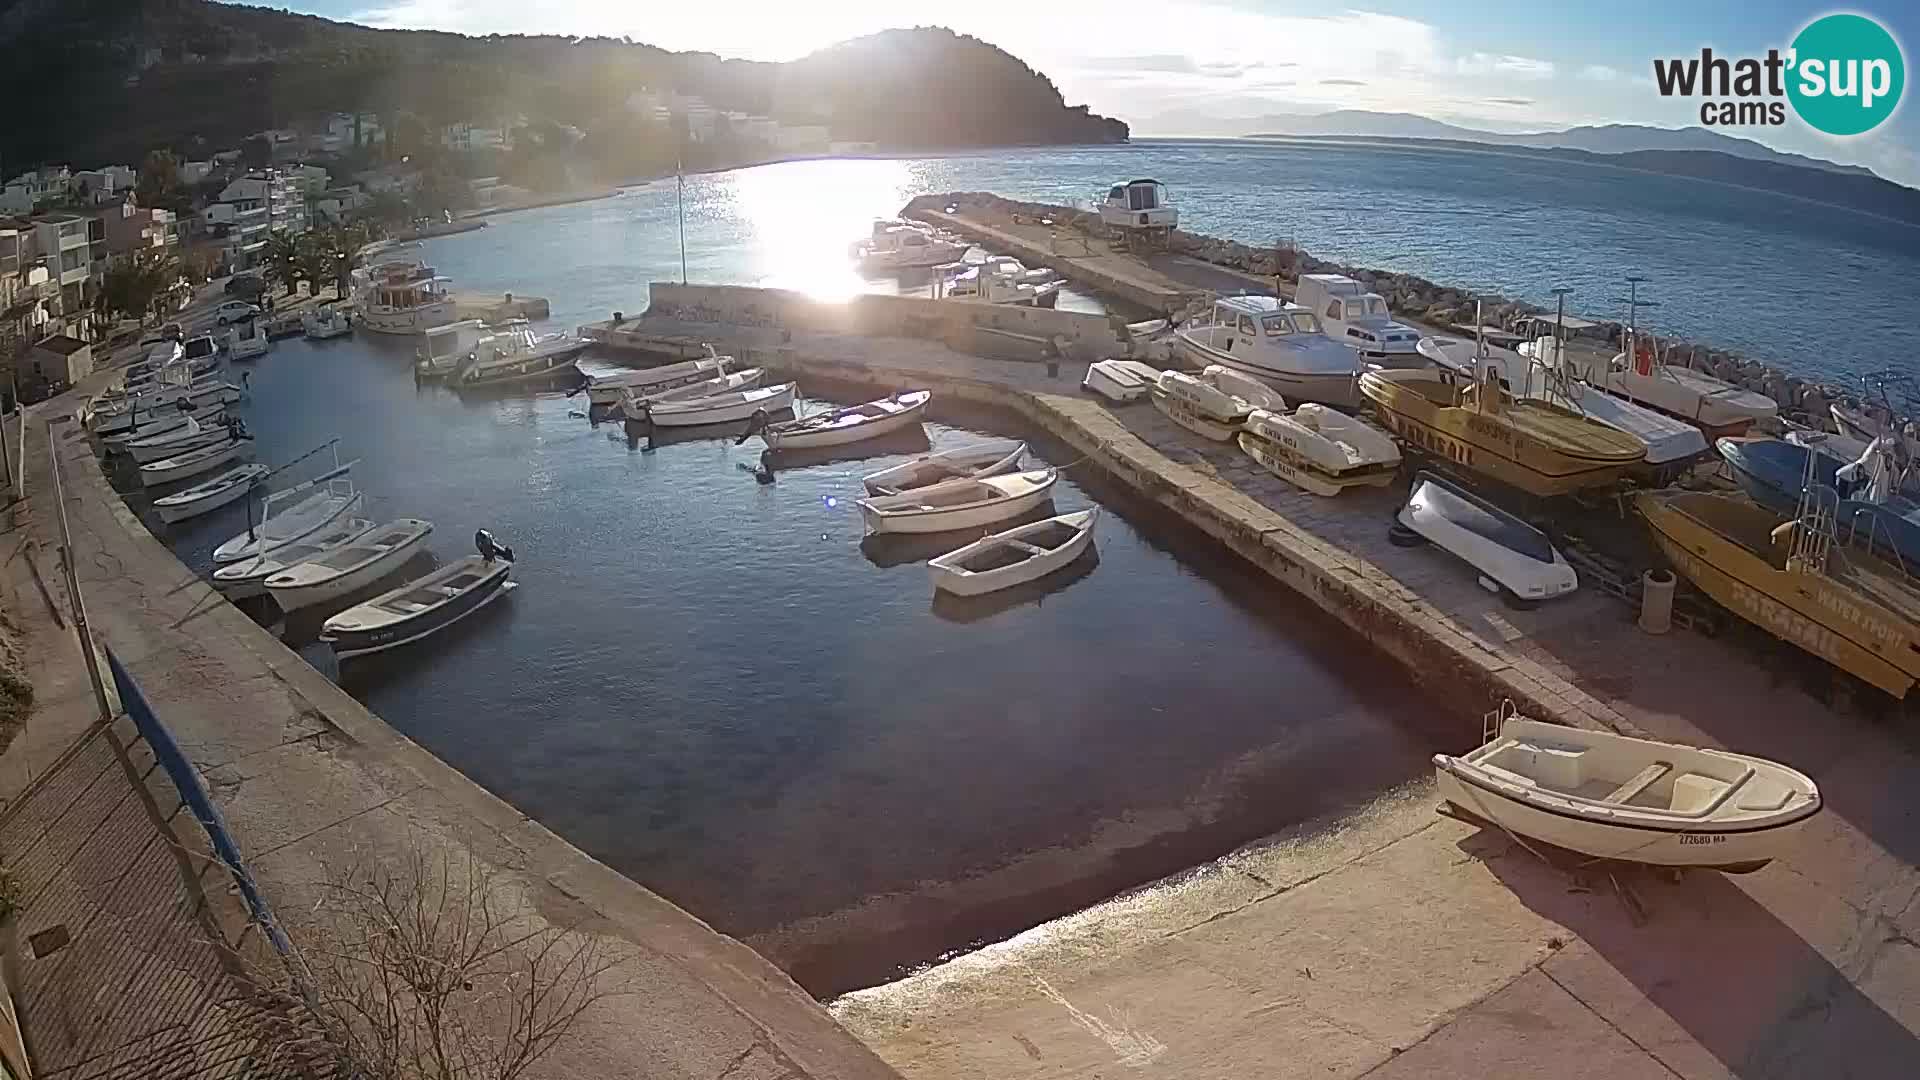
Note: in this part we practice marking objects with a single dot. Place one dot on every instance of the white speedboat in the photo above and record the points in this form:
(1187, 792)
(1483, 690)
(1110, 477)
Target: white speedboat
(611, 389)
(1016, 556)
(194, 462)
(419, 608)
(321, 501)
(635, 405)
(1512, 557)
(349, 568)
(725, 408)
(1635, 800)
(959, 463)
(1120, 380)
(1278, 343)
(247, 340)
(326, 321)
(209, 495)
(1353, 316)
(165, 422)
(1138, 204)
(839, 427)
(1641, 375)
(396, 292)
(959, 504)
(512, 353)
(248, 577)
(1319, 449)
(901, 247)
(1198, 405)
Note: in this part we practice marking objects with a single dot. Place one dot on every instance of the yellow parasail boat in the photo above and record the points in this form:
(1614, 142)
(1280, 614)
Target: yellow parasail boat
(1536, 446)
(1786, 576)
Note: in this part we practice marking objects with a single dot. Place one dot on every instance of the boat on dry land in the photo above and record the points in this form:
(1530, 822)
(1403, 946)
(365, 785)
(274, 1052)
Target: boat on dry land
(1120, 380)
(1321, 450)
(1511, 557)
(959, 504)
(959, 463)
(1197, 403)
(1634, 800)
(1014, 557)
(1641, 374)
(1280, 344)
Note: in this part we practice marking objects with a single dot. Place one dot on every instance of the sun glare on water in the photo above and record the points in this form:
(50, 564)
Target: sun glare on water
(806, 214)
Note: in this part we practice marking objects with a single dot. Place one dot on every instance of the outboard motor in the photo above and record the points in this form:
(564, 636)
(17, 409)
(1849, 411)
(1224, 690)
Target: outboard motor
(490, 550)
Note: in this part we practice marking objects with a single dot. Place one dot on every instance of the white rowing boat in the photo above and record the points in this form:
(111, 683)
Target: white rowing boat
(194, 462)
(162, 423)
(608, 389)
(248, 577)
(635, 405)
(959, 463)
(1014, 557)
(209, 495)
(418, 608)
(349, 568)
(959, 504)
(855, 423)
(190, 436)
(276, 526)
(727, 408)
(1615, 797)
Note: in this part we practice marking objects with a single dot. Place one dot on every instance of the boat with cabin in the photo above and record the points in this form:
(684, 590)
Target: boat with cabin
(904, 246)
(1001, 279)
(1353, 316)
(328, 320)
(1319, 449)
(421, 608)
(1280, 344)
(201, 354)
(1015, 557)
(511, 352)
(247, 340)
(396, 292)
(1138, 204)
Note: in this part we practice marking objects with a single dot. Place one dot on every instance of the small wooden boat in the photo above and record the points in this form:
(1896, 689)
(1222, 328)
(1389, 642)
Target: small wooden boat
(191, 436)
(731, 407)
(960, 463)
(209, 495)
(1016, 556)
(1199, 406)
(195, 462)
(1513, 558)
(163, 422)
(1120, 380)
(418, 608)
(248, 577)
(323, 500)
(634, 404)
(350, 568)
(1635, 800)
(607, 389)
(959, 504)
(1320, 449)
(853, 424)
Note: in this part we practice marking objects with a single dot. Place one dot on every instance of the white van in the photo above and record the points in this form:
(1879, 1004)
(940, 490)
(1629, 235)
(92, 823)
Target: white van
(1352, 315)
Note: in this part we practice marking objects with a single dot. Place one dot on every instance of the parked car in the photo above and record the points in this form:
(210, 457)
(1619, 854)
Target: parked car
(234, 311)
(245, 285)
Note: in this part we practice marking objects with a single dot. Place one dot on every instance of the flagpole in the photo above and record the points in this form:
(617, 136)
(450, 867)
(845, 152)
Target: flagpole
(679, 174)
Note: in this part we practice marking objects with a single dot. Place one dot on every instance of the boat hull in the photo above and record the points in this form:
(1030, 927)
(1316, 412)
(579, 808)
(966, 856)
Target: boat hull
(176, 512)
(966, 461)
(1187, 415)
(293, 598)
(1120, 381)
(204, 460)
(1328, 388)
(729, 413)
(947, 579)
(955, 518)
(1771, 473)
(526, 370)
(347, 644)
(412, 321)
(1298, 471)
(777, 440)
(295, 524)
(147, 455)
(171, 422)
(609, 390)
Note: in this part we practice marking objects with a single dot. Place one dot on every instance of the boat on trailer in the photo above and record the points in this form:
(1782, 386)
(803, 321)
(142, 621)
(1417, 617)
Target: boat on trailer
(1641, 374)
(1513, 559)
(420, 608)
(1280, 344)
(1014, 557)
(959, 504)
(855, 423)
(960, 463)
(1120, 380)
(1321, 450)
(1633, 800)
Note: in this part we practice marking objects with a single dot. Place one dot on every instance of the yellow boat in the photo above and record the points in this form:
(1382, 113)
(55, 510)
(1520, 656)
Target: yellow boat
(1536, 446)
(1852, 610)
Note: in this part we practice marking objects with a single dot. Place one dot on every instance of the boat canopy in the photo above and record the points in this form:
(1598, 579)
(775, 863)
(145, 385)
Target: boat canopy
(1139, 195)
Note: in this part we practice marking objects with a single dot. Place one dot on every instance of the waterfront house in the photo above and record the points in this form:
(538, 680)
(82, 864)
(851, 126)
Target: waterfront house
(131, 230)
(65, 242)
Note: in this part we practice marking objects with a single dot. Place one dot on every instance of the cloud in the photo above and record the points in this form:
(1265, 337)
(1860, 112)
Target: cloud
(1342, 82)
(1602, 73)
(1524, 67)
(1165, 62)
(1508, 100)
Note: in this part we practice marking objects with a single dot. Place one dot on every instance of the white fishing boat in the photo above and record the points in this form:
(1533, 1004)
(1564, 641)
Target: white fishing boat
(165, 422)
(1635, 800)
(1278, 343)
(960, 463)
(1138, 204)
(611, 389)
(349, 568)
(248, 577)
(190, 436)
(209, 495)
(896, 246)
(1016, 556)
(725, 408)
(634, 405)
(194, 462)
(1199, 406)
(1542, 369)
(511, 353)
(1513, 558)
(321, 501)
(1354, 316)
(444, 348)
(1640, 374)
(247, 340)
(1319, 449)
(959, 504)
(855, 423)
(419, 608)
(396, 292)
(326, 321)
(1120, 380)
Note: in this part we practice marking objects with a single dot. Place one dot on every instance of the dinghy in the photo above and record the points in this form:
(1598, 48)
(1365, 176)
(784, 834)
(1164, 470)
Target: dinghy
(419, 608)
(195, 462)
(279, 526)
(726, 408)
(191, 436)
(960, 463)
(248, 577)
(1635, 800)
(1120, 380)
(1513, 558)
(1199, 405)
(350, 568)
(1016, 556)
(634, 404)
(959, 504)
(607, 389)
(849, 425)
(209, 495)
(1320, 449)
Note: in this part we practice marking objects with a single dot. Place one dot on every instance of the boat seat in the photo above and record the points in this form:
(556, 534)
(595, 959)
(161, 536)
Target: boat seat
(1641, 781)
(1022, 545)
(1693, 793)
(1508, 775)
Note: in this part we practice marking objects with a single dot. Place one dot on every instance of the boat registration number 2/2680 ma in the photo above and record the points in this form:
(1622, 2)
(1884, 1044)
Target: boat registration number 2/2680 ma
(1692, 839)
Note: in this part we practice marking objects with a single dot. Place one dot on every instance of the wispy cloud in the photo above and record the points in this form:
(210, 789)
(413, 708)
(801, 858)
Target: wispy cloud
(1602, 73)
(1524, 67)
(1508, 100)
(1342, 82)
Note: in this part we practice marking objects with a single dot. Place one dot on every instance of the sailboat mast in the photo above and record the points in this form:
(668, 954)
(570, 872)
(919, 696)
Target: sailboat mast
(680, 175)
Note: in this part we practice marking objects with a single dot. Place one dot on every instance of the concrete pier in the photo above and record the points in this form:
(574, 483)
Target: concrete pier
(1088, 261)
(499, 307)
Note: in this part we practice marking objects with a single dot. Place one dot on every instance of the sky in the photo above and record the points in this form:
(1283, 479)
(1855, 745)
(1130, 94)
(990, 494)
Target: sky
(1216, 66)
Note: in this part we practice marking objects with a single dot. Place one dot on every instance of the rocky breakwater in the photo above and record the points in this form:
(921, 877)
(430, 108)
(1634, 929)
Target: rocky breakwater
(1417, 299)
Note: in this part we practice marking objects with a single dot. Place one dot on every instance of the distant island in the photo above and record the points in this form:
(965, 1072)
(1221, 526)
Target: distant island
(108, 80)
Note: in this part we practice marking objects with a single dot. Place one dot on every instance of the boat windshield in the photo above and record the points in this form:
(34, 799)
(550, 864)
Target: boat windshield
(1280, 324)
(1277, 325)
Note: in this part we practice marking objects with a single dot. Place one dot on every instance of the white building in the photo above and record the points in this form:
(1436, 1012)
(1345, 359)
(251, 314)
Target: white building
(333, 205)
(65, 243)
(252, 208)
(193, 172)
(27, 191)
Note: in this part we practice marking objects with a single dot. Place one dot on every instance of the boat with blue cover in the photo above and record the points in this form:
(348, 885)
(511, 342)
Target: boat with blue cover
(1774, 472)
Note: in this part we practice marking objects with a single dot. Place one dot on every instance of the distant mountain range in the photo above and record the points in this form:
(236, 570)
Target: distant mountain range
(1601, 139)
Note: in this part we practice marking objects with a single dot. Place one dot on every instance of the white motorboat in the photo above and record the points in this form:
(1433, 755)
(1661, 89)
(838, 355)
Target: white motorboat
(959, 463)
(725, 408)
(1198, 405)
(247, 340)
(512, 353)
(248, 577)
(444, 348)
(1319, 449)
(201, 354)
(322, 501)
(190, 436)
(1138, 204)
(1016, 556)
(349, 568)
(999, 280)
(1512, 557)
(839, 427)
(209, 495)
(610, 389)
(195, 462)
(900, 246)
(634, 405)
(1353, 316)
(1278, 343)
(1640, 374)
(959, 504)
(1120, 380)
(326, 321)
(419, 608)
(1635, 800)
(165, 422)
(396, 292)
